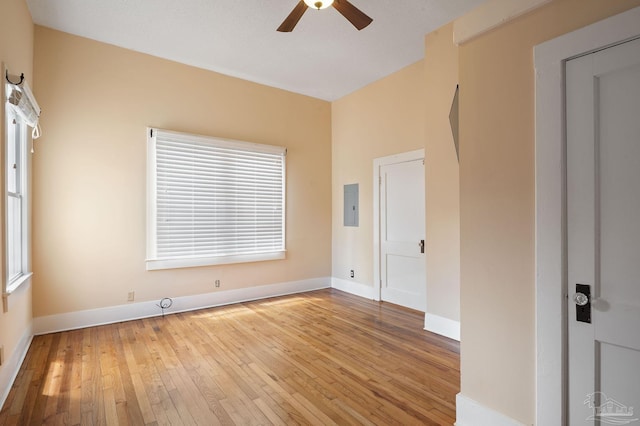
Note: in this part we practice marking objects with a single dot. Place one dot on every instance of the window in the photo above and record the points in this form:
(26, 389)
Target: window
(213, 201)
(16, 207)
(21, 110)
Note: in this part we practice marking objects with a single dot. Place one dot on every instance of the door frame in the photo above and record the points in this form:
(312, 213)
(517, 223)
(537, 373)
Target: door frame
(550, 216)
(377, 164)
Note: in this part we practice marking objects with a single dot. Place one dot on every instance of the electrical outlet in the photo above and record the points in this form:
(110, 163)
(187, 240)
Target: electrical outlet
(352, 274)
(1, 355)
(217, 283)
(131, 296)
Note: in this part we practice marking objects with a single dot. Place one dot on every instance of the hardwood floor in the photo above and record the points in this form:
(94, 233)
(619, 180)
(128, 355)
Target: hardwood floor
(323, 357)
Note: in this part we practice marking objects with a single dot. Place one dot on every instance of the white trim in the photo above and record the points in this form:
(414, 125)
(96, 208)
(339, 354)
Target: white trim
(355, 288)
(377, 164)
(22, 286)
(10, 369)
(551, 317)
(15, 284)
(113, 314)
(472, 413)
(189, 262)
(442, 326)
(227, 143)
(491, 15)
(24, 195)
(152, 190)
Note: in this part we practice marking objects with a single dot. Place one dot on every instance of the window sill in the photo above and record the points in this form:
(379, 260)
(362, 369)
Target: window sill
(156, 264)
(15, 284)
(12, 287)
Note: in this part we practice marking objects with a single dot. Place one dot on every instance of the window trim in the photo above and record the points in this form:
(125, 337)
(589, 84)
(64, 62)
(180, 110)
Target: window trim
(154, 263)
(18, 281)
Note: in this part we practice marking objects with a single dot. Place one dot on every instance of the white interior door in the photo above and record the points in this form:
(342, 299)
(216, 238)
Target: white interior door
(402, 234)
(603, 224)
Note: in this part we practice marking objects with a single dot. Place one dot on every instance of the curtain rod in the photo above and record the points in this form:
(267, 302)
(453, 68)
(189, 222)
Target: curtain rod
(6, 75)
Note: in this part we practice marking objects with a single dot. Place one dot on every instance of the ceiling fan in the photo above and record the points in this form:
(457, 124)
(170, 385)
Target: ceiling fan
(346, 9)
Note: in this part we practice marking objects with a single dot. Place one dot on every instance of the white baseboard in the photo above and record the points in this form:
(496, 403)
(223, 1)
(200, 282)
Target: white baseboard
(9, 370)
(472, 413)
(433, 323)
(442, 326)
(132, 311)
(354, 288)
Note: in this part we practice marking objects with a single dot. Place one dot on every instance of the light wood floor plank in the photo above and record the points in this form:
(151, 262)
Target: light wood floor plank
(318, 358)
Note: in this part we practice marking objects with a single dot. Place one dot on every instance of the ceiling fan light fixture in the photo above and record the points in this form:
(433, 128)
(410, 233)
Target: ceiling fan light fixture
(318, 4)
(354, 15)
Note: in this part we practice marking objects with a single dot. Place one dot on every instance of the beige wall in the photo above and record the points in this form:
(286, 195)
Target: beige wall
(497, 202)
(90, 171)
(16, 52)
(89, 181)
(384, 118)
(442, 177)
(405, 111)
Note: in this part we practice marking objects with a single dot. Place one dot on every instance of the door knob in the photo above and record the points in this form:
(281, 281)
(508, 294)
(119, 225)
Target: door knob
(581, 299)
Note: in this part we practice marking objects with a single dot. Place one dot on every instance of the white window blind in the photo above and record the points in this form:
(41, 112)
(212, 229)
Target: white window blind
(213, 201)
(20, 99)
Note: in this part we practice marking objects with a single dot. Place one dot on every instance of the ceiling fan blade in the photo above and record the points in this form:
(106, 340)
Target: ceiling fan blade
(352, 13)
(290, 22)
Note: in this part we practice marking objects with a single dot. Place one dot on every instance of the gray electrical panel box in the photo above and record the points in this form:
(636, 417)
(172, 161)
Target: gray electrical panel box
(351, 210)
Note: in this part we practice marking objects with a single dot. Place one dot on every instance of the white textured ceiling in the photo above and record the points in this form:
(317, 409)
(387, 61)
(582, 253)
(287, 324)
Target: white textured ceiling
(324, 57)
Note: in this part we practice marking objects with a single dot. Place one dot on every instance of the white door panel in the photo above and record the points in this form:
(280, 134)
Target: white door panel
(402, 227)
(603, 240)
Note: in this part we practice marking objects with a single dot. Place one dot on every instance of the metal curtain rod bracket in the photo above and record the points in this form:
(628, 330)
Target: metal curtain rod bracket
(6, 75)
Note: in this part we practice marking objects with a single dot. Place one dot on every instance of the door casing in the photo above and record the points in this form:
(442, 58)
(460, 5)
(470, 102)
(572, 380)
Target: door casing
(551, 271)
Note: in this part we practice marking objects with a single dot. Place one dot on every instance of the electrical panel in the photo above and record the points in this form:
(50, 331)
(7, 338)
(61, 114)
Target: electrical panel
(351, 210)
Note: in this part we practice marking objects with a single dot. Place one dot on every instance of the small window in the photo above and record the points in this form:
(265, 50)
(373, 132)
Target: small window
(21, 111)
(213, 201)
(16, 186)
